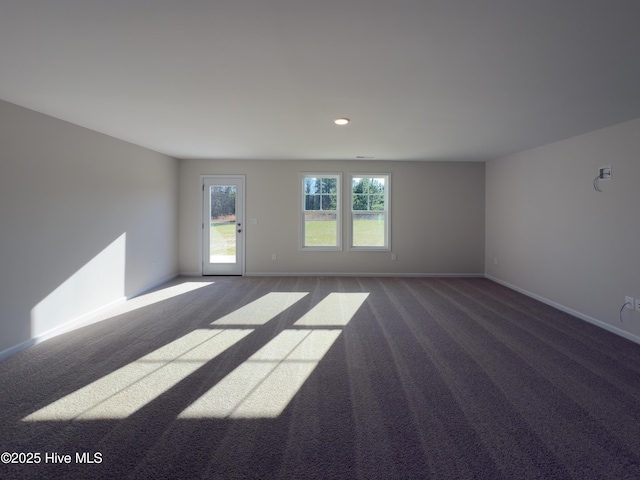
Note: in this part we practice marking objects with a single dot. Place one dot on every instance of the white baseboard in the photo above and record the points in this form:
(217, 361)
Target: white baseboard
(153, 285)
(570, 311)
(361, 274)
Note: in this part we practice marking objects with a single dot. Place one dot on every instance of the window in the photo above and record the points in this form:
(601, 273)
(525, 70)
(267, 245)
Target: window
(321, 212)
(370, 212)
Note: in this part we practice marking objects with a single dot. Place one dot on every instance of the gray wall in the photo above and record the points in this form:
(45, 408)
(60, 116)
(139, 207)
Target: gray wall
(437, 217)
(556, 237)
(85, 221)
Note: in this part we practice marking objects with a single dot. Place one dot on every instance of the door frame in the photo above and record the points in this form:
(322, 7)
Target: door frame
(240, 212)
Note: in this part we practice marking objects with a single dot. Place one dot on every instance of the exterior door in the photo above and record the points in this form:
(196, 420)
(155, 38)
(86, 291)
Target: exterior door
(223, 225)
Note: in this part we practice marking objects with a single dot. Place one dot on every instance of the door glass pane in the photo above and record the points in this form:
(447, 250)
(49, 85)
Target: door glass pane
(222, 237)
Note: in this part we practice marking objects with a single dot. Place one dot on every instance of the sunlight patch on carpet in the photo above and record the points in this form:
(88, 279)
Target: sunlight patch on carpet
(262, 310)
(261, 387)
(264, 385)
(126, 390)
(336, 309)
(166, 293)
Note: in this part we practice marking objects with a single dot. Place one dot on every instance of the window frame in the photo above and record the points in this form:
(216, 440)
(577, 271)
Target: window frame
(338, 212)
(386, 213)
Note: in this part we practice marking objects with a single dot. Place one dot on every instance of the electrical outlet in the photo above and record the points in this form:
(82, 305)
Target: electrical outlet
(629, 303)
(637, 304)
(394, 257)
(274, 256)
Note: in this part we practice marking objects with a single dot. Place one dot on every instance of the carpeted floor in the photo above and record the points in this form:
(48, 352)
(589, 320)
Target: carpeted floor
(325, 378)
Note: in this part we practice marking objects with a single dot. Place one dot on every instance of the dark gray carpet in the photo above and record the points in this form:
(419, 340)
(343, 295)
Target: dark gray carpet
(432, 378)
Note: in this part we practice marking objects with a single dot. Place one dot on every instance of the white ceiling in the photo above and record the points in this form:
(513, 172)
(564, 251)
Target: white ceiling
(264, 79)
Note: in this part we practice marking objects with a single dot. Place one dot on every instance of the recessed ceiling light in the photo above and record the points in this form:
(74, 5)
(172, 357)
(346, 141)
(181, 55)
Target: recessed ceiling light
(341, 121)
